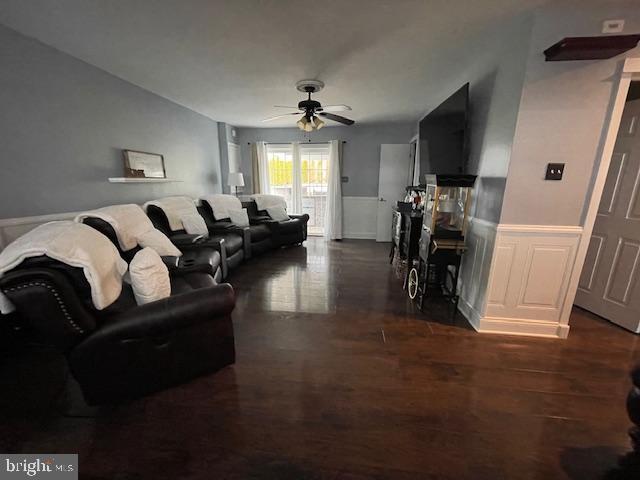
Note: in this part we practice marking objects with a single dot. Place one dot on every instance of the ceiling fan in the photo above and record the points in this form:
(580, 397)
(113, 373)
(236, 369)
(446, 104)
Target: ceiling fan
(312, 110)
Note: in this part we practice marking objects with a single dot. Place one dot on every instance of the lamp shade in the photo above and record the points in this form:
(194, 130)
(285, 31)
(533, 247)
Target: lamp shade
(235, 179)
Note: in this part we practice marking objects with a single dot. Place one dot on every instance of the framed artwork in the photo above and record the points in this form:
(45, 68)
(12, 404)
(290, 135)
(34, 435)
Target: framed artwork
(143, 164)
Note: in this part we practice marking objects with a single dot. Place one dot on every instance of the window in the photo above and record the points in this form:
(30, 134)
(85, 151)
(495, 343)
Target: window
(315, 183)
(281, 172)
(312, 168)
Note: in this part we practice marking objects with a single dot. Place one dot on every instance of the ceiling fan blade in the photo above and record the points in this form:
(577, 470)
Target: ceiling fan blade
(337, 118)
(280, 116)
(286, 106)
(336, 108)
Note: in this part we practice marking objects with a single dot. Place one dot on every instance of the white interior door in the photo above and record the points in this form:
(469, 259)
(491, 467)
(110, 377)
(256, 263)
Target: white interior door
(609, 284)
(394, 171)
(234, 157)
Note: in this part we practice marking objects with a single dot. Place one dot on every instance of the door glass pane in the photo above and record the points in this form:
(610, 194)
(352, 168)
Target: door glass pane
(281, 172)
(315, 177)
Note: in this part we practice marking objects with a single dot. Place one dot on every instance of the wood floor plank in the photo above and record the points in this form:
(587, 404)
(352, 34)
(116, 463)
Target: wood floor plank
(338, 376)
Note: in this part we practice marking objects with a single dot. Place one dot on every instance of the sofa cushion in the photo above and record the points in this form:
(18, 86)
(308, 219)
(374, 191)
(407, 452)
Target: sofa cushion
(239, 217)
(259, 233)
(279, 214)
(159, 242)
(221, 204)
(232, 242)
(149, 277)
(194, 224)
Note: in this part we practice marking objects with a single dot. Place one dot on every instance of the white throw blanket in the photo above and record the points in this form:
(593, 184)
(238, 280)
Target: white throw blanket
(221, 204)
(74, 244)
(264, 201)
(177, 208)
(128, 221)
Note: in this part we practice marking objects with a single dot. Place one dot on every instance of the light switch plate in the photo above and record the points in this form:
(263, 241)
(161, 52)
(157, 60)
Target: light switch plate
(613, 26)
(554, 171)
(344, 179)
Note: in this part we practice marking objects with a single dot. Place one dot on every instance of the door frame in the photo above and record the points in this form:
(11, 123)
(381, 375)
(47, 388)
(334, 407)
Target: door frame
(407, 148)
(630, 70)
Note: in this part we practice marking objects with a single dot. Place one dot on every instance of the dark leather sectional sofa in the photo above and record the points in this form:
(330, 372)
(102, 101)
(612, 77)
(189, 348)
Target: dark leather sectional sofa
(126, 350)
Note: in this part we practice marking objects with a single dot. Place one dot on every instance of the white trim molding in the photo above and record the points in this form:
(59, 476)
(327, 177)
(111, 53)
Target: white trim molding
(475, 268)
(359, 217)
(630, 71)
(527, 285)
(12, 228)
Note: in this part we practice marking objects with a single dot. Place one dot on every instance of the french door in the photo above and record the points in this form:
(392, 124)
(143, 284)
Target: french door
(300, 174)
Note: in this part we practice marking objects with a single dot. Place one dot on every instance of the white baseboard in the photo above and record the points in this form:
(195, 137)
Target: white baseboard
(511, 326)
(515, 326)
(359, 236)
(470, 313)
(359, 217)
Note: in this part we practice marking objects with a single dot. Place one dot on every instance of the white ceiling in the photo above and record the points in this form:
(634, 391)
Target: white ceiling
(233, 60)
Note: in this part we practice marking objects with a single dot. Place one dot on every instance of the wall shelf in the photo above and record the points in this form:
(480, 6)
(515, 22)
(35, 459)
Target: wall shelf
(590, 48)
(141, 180)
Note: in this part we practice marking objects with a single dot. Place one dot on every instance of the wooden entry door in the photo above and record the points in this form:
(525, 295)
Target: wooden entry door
(609, 285)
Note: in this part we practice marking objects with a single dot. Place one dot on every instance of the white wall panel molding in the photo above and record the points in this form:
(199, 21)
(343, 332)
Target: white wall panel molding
(12, 228)
(360, 217)
(475, 267)
(530, 272)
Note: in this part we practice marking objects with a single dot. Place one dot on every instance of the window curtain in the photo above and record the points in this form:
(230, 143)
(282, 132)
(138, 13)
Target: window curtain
(296, 208)
(333, 213)
(260, 168)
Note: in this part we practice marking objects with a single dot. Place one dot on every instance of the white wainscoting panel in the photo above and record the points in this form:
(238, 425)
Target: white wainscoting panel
(360, 217)
(359, 220)
(474, 271)
(528, 284)
(12, 228)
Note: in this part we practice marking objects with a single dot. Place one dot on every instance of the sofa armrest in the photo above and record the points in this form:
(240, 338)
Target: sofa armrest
(170, 261)
(185, 239)
(157, 345)
(304, 217)
(260, 219)
(159, 318)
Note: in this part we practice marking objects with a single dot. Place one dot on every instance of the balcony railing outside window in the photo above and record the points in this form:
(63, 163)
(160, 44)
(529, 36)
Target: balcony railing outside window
(314, 173)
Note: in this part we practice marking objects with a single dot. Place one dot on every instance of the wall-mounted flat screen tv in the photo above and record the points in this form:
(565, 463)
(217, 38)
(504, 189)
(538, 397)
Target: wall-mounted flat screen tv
(444, 136)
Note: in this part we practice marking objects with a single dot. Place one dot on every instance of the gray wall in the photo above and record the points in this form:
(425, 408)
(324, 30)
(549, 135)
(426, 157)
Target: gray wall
(562, 115)
(494, 65)
(63, 124)
(361, 153)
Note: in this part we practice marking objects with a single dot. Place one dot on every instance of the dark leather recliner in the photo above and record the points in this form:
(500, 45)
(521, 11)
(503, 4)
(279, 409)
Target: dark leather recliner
(231, 246)
(194, 259)
(257, 238)
(288, 232)
(124, 351)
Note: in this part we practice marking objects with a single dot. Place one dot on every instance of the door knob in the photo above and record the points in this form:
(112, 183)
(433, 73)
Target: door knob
(382, 199)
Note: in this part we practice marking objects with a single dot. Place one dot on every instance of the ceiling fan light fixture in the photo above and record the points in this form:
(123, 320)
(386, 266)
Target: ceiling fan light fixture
(318, 124)
(308, 127)
(302, 122)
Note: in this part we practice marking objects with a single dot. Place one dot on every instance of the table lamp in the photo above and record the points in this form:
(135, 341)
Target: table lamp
(235, 179)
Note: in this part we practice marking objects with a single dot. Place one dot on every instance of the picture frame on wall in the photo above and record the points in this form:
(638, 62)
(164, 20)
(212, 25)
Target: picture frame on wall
(139, 164)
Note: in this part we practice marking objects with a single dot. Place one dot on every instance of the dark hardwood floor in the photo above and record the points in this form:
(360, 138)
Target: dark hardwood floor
(338, 377)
